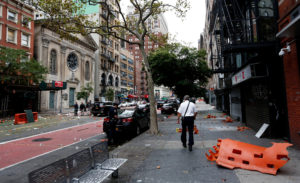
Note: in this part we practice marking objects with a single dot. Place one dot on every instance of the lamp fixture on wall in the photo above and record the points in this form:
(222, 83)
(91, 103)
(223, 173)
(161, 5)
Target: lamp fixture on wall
(282, 51)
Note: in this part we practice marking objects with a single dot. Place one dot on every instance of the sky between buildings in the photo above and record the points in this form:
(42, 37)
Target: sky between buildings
(185, 30)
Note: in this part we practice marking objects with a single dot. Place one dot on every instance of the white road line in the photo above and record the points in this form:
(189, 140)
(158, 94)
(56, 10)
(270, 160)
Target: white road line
(1, 143)
(45, 153)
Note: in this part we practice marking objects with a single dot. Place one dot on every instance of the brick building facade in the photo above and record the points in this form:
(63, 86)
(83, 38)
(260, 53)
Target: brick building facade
(289, 24)
(16, 29)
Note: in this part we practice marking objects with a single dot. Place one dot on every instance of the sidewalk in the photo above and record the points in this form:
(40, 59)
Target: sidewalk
(162, 159)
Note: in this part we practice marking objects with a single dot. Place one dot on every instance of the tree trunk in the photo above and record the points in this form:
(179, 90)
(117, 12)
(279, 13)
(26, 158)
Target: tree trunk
(153, 114)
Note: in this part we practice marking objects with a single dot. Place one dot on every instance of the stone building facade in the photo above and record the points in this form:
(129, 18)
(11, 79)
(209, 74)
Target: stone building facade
(67, 61)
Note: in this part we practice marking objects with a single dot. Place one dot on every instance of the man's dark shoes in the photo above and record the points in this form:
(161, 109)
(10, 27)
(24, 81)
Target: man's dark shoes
(190, 148)
(184, 145)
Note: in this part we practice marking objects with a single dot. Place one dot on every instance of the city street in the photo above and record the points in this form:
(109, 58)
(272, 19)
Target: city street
(151, 158)
(80, 82)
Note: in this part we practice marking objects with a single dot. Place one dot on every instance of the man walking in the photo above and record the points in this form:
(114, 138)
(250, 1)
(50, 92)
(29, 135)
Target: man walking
(187, 111)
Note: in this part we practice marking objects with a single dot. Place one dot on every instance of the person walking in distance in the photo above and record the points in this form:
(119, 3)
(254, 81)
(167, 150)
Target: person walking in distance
(75, 108)
(187, 111)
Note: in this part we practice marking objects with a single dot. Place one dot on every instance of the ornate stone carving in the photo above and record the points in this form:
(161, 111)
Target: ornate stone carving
(63, 49)
(45, 42)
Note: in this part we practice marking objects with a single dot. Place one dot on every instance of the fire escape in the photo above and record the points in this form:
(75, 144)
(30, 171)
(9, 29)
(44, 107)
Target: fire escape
(228, 29)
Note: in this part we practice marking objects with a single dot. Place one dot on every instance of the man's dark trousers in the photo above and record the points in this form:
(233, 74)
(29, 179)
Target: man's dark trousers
(188, 122)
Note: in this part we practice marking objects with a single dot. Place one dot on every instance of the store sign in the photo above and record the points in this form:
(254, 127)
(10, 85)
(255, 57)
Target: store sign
(58, 84)
(55, 85)
(241, 76)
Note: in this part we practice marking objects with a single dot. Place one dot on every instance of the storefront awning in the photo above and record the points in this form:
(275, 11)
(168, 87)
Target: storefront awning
(291, 30)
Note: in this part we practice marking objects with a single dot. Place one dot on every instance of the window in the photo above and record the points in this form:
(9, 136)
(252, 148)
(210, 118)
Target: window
(110, 80)
(25, 40)
(11, 35)
(12, 16)
(72, 61)
(0, 11)
(103, 79)
(130, 69)
(87, 71)
(0, 31)
(117, 82)
(26, 22)
(53, 58)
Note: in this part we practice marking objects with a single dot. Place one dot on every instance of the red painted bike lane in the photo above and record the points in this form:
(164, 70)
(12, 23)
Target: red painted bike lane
(19, 150)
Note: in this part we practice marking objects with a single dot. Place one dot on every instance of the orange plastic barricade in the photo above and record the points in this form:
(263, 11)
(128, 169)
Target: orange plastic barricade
(20, 118)
(234, 154)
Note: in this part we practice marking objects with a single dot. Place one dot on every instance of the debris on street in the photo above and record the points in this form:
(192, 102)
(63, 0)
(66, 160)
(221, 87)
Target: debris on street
(242, 128)
(210, 116)
(228, 120)
(234, 154)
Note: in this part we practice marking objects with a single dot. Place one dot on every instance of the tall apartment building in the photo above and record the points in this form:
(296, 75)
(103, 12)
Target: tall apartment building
(289, 24)
(243, 54)
(107, 72)
(158, 26)
(126, 72)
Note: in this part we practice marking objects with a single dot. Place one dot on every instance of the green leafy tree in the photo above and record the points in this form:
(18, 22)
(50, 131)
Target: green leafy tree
(85, 92)
(67, 16)
(16, 68)
(110, 94)
(180, 68)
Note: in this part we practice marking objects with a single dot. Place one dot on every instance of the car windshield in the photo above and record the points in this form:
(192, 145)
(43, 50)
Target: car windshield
(167, 104)
(126, 113)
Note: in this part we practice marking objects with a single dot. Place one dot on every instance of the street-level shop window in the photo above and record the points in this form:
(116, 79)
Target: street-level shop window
(11, 35)
(12, 16)
(25, 40)
(53, 59)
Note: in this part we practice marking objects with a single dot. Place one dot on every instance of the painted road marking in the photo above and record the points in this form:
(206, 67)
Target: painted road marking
(47, 132)
(21, 150)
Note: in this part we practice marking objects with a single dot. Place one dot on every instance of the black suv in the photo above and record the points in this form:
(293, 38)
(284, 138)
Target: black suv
(101, 108)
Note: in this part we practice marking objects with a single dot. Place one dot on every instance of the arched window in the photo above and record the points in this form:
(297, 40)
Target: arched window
(110, 81)
(103, 79)
(53, 60)
(117, 82)
(87, 70)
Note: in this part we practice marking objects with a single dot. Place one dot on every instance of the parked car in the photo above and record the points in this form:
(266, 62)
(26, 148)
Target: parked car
(160, 103)
(168, 108)
(101, 108)
(130, 122)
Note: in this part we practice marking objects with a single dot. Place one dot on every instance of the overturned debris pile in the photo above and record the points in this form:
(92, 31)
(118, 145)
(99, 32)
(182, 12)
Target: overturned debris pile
(234, 154)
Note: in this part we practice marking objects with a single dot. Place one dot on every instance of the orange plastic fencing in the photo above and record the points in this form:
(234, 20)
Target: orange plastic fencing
(20, 118)
(234, 154)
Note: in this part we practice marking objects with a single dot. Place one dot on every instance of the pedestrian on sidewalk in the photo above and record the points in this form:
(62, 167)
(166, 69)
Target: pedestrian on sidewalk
(75, 109)
(187, 111)
(82, 107)
(113, 118)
